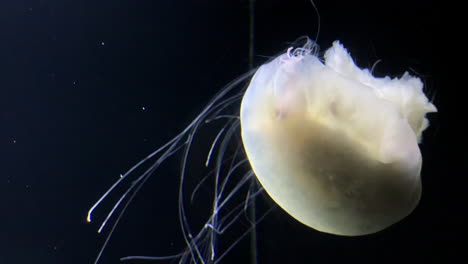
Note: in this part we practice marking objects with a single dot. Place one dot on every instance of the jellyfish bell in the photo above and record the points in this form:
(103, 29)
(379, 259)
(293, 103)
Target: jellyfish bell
(332, 145)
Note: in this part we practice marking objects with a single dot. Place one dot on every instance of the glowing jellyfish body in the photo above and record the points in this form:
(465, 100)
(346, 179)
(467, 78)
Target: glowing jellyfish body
(333, 146)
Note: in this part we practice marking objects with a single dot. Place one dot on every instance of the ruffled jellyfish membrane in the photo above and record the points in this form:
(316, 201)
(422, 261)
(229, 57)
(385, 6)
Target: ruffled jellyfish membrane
(331, 144)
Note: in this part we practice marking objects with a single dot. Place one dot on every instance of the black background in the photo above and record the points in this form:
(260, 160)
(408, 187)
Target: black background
(76, 75)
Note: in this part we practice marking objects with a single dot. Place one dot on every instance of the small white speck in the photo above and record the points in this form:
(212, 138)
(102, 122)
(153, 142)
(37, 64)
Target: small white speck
(14, 141)
(102, 43)
(74, 83)
(143, 108)
(121, 175)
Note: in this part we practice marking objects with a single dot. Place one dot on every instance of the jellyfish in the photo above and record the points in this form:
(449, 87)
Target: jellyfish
(329, 143)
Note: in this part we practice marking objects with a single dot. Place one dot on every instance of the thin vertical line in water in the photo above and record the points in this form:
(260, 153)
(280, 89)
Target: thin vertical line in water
(252, 209)
(251, 32)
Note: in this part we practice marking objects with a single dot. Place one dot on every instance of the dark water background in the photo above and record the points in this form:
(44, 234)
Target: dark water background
(76, 75)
